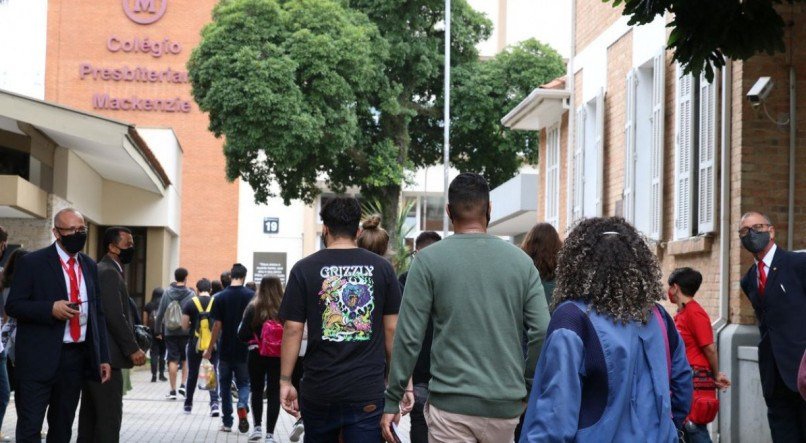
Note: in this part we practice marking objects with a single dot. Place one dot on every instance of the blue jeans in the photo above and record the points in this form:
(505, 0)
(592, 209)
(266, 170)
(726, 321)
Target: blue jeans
(694, 433)
(5, 388)
(226, 371)
(356, 422)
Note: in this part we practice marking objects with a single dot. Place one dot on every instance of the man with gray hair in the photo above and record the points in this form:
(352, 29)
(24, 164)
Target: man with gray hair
(61, 330)
(775, 286)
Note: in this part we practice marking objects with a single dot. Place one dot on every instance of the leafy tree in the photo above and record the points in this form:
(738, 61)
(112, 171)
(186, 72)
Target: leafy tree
(350, 92)
(704, 32)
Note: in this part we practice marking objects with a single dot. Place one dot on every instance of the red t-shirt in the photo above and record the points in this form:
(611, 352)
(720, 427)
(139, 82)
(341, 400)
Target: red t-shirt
(694, 326)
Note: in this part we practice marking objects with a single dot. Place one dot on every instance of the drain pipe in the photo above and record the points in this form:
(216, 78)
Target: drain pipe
(725, 198)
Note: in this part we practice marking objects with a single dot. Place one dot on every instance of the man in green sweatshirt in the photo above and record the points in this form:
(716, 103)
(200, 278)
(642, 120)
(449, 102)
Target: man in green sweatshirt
(479, 291)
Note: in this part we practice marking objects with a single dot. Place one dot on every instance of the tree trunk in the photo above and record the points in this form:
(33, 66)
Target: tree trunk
(389, 199)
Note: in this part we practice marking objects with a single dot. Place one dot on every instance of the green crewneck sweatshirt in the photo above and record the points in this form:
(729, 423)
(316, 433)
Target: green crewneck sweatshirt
(479, 291)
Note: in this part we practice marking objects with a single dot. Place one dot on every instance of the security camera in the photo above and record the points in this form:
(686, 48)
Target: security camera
(760, 91)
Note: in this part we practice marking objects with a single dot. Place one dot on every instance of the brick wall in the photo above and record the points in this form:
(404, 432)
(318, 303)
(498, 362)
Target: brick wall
(592, 18)
(619, 62)
(34, 233)
(78, 33)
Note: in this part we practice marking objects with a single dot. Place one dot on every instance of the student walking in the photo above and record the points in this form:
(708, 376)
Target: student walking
(479, 291)
(613, 367)
(694, 326)
(349, 298)
(197, 317)
(157, 352)
(169, 318)
(263, 331)
(228, 310)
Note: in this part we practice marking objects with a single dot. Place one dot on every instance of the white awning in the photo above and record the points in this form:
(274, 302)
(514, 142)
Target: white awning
(115, 150)
(514, 205)
(542, 108)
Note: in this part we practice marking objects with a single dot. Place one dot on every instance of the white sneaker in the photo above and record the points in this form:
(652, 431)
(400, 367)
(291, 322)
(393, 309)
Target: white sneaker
(296, 431)
(225, 428)
(270, 439)
(256, 434)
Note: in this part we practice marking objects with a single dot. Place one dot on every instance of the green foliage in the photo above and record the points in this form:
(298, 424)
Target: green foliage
(400, 253)
(704, 32)
(485, 92)
(350, 92)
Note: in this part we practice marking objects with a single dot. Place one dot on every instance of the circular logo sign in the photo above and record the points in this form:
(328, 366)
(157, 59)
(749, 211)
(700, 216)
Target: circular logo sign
(144, 12)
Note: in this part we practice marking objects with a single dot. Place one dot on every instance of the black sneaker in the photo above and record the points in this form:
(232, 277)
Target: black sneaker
(171, 395)
(243, 423)
(154, 378)
(162, 377)
(182, 391)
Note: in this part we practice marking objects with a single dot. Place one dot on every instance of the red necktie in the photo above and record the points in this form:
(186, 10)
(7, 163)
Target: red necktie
(75, 325)
(762, 278)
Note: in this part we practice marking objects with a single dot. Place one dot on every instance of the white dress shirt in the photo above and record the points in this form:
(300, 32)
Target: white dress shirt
(82, 292)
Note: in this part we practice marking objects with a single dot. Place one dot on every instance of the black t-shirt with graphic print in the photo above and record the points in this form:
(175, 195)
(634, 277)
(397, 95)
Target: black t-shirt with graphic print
(343, 295)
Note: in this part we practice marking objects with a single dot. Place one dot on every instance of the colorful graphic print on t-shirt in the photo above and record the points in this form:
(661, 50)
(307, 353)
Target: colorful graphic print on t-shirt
(347, 296)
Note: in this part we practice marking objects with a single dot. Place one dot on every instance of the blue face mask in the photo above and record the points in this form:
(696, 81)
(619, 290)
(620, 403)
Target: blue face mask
(756, 241)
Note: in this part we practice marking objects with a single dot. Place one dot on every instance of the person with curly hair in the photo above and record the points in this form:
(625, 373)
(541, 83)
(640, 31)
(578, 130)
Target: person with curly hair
(613, 367)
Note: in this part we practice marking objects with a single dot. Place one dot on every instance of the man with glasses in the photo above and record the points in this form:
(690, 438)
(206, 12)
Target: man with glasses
(775, 286)
(61, 330)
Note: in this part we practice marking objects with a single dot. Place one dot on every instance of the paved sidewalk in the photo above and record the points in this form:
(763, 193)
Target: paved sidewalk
(148, 417)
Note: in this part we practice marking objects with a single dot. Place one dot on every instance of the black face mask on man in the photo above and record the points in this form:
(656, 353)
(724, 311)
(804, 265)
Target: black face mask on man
(74, 243)
(755, 241)
(126, 255)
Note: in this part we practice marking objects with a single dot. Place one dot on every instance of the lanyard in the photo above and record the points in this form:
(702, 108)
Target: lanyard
(79, 275)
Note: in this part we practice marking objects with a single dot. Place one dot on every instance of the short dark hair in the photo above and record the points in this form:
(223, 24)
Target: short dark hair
(468, 196)
(341, 215)
(251, 285)
(216, 287)
(688, 279)
(238, 271)
(157, 292)
(3, 234)
(112, 236)
(181, 274)
(226, 279)
(203, 285)
(426, 238)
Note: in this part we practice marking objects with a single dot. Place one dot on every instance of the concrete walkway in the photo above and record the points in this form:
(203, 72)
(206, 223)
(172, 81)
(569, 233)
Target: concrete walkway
(148, 417)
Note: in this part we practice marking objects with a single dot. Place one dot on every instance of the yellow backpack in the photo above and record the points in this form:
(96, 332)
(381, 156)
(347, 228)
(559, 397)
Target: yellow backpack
(203, 331)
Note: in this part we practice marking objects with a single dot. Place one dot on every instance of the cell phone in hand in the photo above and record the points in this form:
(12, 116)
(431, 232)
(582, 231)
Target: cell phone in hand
(73, 306)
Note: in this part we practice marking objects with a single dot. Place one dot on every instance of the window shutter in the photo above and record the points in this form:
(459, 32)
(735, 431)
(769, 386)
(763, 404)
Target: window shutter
(578, 162)
(658, 95)
(553, 175)
(628, 196)
(707, 156)
(599, 153)
(684, 146)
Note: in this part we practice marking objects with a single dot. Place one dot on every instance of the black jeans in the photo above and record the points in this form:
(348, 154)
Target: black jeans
(157, 356)
(419, 428)
(264, 373)
(194, 359)
(101, 413)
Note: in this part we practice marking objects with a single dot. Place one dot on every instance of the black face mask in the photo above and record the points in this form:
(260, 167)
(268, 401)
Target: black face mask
(126, 255)
(755, 241)
(74, 243)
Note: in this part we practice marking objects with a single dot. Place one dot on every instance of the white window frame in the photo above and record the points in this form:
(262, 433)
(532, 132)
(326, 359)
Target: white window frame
(707, 144)
(657, 144)
(630, 158)
(684, 154)
(586, 145)
(552, 203)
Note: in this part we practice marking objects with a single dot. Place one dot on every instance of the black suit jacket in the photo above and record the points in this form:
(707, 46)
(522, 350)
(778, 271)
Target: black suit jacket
(781, 313)
(38, 283)
(115, 303)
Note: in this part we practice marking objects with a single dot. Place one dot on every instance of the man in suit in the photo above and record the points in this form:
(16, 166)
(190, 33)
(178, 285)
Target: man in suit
(776, 286)
(61, 333)
(101, 411)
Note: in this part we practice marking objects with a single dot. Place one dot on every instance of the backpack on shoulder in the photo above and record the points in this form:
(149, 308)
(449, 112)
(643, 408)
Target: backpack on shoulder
(271, 339)
(203, 333)
(173, 316)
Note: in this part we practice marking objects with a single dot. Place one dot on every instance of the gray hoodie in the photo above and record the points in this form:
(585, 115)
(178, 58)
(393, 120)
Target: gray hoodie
(180, 294)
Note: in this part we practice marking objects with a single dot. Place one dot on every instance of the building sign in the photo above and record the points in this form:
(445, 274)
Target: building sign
(145, 12)
(269, 263)
(136, 74)
(271, 225)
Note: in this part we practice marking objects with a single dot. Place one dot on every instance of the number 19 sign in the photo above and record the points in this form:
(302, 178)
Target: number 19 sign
(271, 225)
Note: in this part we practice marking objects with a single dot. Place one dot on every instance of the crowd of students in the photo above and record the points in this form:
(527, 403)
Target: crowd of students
(474, 331)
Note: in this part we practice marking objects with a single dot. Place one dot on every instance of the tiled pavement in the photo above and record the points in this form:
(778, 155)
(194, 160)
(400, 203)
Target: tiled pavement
(147, 417)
